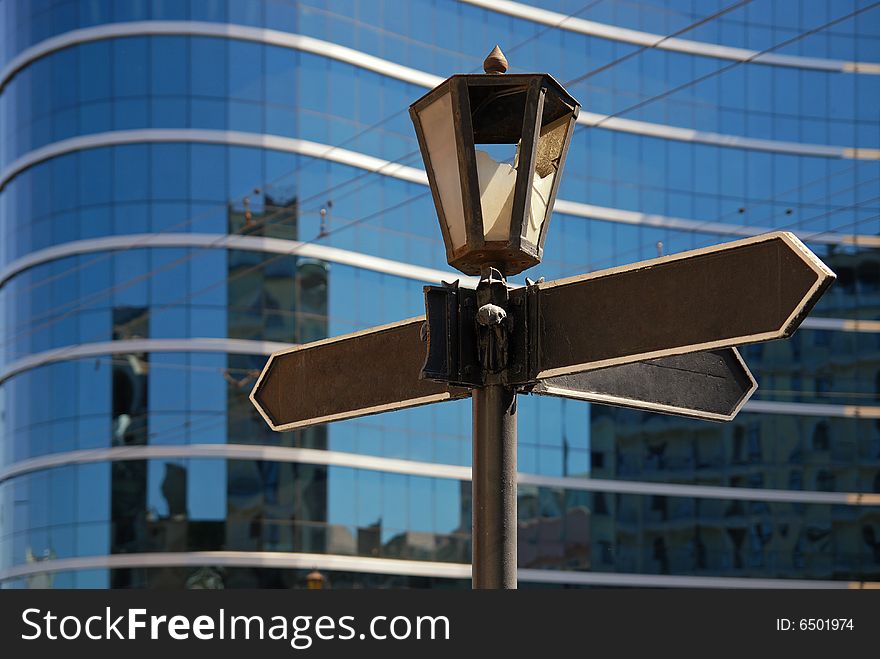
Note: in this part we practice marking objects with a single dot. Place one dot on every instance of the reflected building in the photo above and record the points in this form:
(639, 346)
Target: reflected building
(186, 187)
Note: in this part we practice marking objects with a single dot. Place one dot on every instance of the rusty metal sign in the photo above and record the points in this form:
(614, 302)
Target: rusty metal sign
(367, 372)
(741, 292)
(711, 385)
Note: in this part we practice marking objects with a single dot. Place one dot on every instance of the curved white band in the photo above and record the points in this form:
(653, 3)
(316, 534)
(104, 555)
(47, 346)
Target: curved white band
(101, 348)
(237, 242)
(398, 171)
(409, 75)
(309, 250)
(639, 38)
(331, 562)
(425, 469)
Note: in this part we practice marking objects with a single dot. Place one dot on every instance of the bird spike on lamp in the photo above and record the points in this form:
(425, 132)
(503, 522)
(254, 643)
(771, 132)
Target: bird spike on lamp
(494, 145)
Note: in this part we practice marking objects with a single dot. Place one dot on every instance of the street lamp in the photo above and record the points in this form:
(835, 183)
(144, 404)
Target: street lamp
(494, 147)
(658, 335)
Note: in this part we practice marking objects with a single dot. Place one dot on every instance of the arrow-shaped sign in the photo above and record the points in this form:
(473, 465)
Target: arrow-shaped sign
(655, 335)
(745, 291)
(711, 385)
(367, 372)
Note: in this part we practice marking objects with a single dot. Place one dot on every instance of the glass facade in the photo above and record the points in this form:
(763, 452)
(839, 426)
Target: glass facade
(186, 186)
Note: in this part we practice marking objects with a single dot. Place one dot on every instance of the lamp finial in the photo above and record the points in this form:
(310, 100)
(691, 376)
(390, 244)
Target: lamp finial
(496, 62)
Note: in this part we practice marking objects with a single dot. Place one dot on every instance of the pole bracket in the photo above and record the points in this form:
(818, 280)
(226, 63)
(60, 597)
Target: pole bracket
(477, 337)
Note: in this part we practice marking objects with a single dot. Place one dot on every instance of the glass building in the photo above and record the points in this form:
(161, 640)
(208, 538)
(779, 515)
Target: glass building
(186, 187)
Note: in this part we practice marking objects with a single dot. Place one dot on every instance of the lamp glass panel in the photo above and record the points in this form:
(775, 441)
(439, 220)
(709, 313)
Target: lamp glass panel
(438, 129)
(496, 174)
(550, 145)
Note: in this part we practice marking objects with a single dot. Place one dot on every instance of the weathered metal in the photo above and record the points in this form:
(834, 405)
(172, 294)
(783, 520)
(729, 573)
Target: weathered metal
(751, 290)
(348, 376)
(494, 487)
(711, 385)
(452, 354)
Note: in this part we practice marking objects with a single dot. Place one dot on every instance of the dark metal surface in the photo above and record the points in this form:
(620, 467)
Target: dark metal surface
(742, 292)
(494, 487)
(533, 116)
(354, 375)
(451, 335)
(709, 385)
(494, 326)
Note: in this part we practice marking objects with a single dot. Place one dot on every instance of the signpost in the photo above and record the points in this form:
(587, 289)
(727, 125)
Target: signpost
(658, 335)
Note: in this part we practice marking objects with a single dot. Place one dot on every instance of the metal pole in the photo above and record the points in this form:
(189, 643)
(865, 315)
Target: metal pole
(494, 487)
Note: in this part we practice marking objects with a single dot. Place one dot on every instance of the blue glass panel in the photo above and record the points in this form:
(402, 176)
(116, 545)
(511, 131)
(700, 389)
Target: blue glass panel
(421, 508)
(368, 498)
(170, 322)
(246, 12)
(209, 10)
(280, 175)
(171, 9)
(169, 171)
(245, 116)
(129, 270)
(168, 268)
(210, 268)
(131, 113)
(394, 515)
(65, 123)
(208, 172)
(207, 386)
(64, 67)
(246, 70)
(342, 496)
(93, 391)
(206, 489)
(208, 113)
(169, 217)
(245, 173)
(131, 10)
(132, 172)
(41, 190)
(169, 112)
(131, 65)
(65, 16)
(208, 66)
(96, 117)
(64, 182)
(169, 66)
(93, 539)
(281, 15)
(94, 12)
(281, 67)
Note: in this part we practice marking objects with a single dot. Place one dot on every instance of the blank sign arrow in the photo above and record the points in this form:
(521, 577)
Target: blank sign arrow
(711, 385)
(746, 291)
(368, 372)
